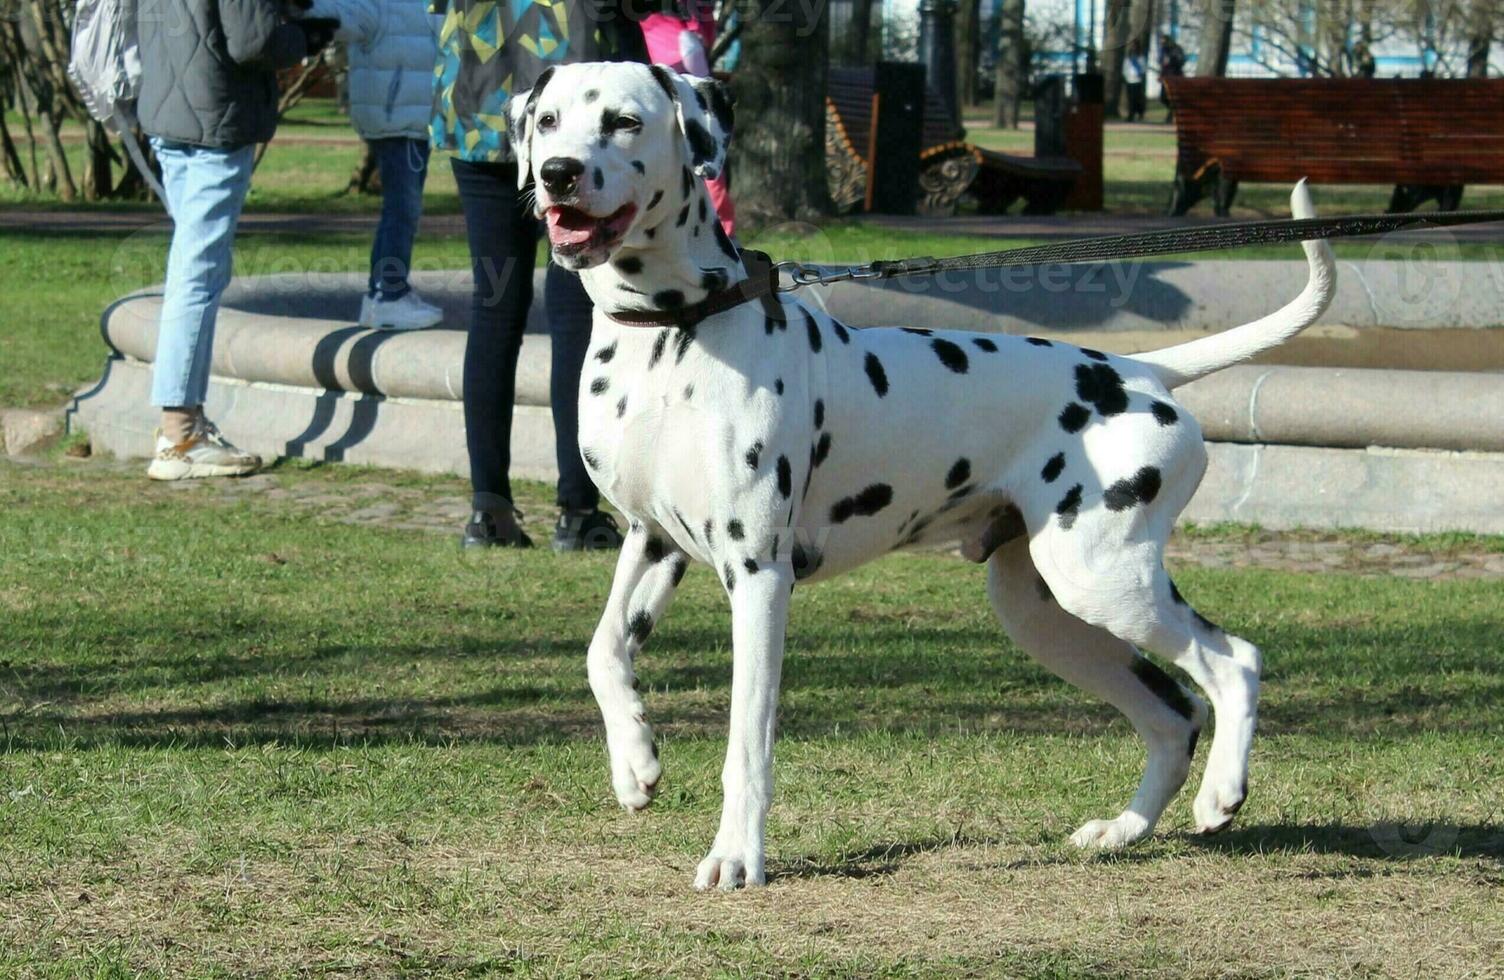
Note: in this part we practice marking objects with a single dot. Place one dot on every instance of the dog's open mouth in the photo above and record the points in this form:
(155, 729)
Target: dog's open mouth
(571, 230)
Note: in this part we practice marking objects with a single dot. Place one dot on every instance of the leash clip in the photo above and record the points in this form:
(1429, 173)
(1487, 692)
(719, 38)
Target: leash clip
(801, 275)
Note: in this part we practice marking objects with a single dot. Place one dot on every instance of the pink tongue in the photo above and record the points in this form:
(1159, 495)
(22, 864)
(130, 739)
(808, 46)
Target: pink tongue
(568, 226)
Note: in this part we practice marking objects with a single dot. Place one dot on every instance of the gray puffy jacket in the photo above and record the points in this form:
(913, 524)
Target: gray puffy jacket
(209, 69)
(393, 45)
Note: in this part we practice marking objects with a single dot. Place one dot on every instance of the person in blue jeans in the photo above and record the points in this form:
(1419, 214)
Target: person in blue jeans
(205, 114)
(392, 45)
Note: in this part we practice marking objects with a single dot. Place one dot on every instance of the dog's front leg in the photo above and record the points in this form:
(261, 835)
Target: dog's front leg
(759, 616)
(646, 575)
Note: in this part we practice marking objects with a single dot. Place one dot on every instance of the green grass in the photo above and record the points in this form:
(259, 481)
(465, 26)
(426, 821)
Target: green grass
(238, 739)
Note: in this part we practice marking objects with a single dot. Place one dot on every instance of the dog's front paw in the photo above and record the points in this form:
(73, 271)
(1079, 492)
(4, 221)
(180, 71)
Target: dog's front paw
(1109, 835)
(1217, 803)
(635, 769)
(730, 871)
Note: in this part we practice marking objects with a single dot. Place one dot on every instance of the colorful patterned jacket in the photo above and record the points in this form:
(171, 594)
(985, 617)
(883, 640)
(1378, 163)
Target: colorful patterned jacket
(489, 49)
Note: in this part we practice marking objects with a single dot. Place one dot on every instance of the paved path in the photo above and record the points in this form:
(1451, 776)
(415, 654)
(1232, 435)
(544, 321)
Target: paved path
(440, 507)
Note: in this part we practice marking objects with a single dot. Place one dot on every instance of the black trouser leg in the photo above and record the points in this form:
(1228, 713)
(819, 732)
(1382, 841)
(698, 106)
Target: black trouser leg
(569, 314)
(503, 240)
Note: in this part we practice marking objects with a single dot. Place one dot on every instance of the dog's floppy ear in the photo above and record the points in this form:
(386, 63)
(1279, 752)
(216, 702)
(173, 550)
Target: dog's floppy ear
(703, 107)
(520, 110)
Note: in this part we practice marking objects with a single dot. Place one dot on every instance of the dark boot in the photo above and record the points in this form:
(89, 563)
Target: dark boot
(496, 528)
(586, 530)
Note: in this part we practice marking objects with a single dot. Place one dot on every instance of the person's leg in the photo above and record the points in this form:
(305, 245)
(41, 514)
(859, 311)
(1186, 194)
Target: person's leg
(205, 190)
(503, 240)
(403, 164)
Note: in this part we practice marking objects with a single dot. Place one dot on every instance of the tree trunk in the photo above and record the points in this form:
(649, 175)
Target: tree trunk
(859, 35)
(1011, 70)
(966, 34)
(99, 177)
(1480, 32)
(1116, 31)
(367, 176)
(15, 171)
(1142, 20)
(779, 146)
(1216, 37)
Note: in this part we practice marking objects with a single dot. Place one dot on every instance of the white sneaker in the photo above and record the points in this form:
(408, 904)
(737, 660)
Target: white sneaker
(408, 312)
(206, 453)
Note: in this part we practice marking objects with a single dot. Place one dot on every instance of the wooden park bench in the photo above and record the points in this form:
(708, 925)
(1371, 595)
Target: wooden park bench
(949, 167)
(1429, 137)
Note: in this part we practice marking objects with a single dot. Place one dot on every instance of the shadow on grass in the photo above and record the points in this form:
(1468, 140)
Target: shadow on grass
(1393, 840)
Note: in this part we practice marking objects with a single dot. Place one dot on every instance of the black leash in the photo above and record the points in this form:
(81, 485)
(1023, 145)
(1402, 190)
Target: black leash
(1116, 247)
(763, 276)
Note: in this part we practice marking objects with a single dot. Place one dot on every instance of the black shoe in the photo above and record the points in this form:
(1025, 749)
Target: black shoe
(482, 531)
(586, 530)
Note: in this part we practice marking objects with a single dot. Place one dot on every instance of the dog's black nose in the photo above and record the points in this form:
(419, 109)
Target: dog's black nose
(560, 174)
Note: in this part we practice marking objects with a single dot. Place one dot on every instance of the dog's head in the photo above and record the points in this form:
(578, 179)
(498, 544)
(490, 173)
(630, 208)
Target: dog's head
(612, 148)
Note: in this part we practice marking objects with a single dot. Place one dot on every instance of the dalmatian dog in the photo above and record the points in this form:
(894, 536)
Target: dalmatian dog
(780, 446)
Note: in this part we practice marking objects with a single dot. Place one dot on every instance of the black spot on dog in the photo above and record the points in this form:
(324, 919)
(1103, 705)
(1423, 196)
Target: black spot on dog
(841, 333)
(713, 279)
(665, 81)
(591, 459)
(689, 391)
(653, 201)
(821, 449)
(1102, 387)
(750, 566)
(598, 178)
(681, 564)
(704, 213)
(754, 454)
(659, 343)
(686, 337)
(724, 241)
(630, 264)
(1095, 355)
(621, 407)
(686, 184)
(959, 473)
(864, 504)
(701, 143)
(709, 533)
(730, 577)
(958, 494)
(720, 104)
(1053, 468)
(735, 530)
(684, 524)
(1141, 488)
(1043, 588)
(654, 550)
(806, 561)
(668, 299)
(1073, 417)
(1040, 342)
(640, 625)
(639, 166)
(819, 413)
(683, 218)
(921, 331)
(651, 232)
(605, 354)
(951, 355)
(1069, 507)
(1163, 414)
(785, 477)
(876, 374)
(778, 385)
(814, 331)
(984, 344)
(599, 386)
(1202, 620)
(591, 94)
(1163, 686)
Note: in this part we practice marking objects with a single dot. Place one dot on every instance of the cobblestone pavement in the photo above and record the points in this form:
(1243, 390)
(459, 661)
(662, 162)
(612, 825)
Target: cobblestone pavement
(439, 506)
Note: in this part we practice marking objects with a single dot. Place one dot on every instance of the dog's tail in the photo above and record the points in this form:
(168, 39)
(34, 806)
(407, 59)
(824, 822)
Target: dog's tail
(1183, 363)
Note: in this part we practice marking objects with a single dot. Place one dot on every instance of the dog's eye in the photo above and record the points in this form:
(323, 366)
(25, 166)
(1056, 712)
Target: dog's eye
(547, 120)
(627, 124)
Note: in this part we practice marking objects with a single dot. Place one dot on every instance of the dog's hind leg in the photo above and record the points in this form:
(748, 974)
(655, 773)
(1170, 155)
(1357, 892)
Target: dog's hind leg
(647, 573)
(1120, 585)
(1165, 715)
(760, 594)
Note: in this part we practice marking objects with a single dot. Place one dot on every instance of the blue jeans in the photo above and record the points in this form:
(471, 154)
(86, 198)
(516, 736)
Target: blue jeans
(205, 190)
(404, 168)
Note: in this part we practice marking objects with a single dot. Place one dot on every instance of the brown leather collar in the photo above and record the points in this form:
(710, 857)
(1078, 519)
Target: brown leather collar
(761, 284)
